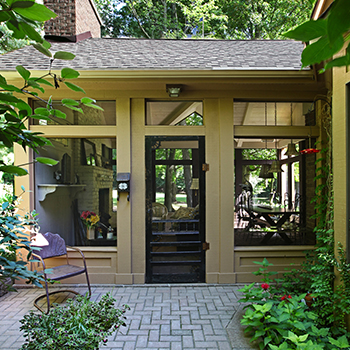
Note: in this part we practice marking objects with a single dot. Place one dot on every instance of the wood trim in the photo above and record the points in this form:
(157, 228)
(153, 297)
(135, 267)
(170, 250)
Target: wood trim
(76, 131)
(287, 132)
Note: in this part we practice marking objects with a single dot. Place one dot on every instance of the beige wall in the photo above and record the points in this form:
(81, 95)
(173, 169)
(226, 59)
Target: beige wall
(126, 263)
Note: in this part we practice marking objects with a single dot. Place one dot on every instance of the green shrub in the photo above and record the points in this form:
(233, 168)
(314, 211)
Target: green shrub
(283, 321)
(80, 324)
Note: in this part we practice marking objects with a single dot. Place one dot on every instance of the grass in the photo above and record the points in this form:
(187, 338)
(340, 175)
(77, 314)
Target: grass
(180, 198)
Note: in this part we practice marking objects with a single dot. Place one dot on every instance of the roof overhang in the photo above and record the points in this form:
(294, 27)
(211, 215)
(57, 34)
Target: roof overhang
(147, 74)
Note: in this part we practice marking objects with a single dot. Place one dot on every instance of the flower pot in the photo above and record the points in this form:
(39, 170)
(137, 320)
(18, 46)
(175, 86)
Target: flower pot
(90, 233)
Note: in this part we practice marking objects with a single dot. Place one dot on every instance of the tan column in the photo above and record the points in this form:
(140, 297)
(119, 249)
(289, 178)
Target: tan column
(124, 274)
(212, 154)
(27, 200)
(340, 155)
(138, 190)
(226, 191)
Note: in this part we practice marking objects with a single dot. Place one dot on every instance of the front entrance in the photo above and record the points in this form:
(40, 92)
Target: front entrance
(175, 209)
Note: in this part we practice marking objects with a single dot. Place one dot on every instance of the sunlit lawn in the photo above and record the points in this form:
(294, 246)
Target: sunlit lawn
(180, 199)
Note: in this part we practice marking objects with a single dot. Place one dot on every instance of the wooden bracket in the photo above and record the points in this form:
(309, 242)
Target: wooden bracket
(205, 167)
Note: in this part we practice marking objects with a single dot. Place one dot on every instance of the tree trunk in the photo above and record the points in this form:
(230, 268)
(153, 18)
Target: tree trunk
(168, 199)
(188, 177)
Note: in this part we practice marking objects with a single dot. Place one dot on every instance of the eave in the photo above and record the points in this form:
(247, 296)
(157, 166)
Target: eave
(156, 74)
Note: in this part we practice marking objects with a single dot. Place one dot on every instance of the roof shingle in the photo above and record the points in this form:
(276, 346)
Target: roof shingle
(144, 54)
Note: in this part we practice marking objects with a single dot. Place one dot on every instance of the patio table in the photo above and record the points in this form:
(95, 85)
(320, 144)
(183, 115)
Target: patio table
(276, 217)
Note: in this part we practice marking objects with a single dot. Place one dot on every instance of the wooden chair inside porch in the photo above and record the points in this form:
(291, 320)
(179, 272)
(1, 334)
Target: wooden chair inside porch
(53, 245)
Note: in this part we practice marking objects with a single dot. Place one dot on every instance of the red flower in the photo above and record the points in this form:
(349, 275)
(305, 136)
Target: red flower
(309, 151)
(265, 286)
(286, 297)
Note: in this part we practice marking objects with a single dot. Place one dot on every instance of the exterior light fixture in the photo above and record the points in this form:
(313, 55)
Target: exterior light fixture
(291, 150)
(276, 164)
(195, 184)
(173, 90)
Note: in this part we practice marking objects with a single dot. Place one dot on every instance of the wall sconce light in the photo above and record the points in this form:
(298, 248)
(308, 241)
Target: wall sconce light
(173, 90)
(123, 184)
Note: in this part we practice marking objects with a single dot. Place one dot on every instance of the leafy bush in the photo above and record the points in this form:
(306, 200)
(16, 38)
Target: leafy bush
(80, 324)
(283, 321)
(13, 239)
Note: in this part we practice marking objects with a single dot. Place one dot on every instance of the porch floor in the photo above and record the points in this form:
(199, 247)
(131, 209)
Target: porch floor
(169, 316)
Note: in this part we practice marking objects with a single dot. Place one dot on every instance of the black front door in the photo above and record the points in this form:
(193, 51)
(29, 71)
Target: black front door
(175, 209)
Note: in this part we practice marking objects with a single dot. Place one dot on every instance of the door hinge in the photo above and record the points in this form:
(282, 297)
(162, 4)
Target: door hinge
(205, 167)
(206, 246)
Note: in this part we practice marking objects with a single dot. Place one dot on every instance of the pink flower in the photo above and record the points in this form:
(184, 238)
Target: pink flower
(265, 286)
(285, 297)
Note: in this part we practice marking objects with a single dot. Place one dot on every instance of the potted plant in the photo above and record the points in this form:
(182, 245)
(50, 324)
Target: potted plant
(79, 324)
(90, 220)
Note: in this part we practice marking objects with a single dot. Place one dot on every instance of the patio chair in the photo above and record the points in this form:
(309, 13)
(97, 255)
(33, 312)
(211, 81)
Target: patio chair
(53, 245)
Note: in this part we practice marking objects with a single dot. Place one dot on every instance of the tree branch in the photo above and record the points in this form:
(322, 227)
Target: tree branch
(133, 10)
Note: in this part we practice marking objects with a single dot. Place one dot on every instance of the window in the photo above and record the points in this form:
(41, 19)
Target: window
(188, 113)
(84, 180)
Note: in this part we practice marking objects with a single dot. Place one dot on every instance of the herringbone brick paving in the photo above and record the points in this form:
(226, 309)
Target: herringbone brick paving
(161, 317)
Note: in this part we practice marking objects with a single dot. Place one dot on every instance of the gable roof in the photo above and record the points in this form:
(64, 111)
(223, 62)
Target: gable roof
(124, 54)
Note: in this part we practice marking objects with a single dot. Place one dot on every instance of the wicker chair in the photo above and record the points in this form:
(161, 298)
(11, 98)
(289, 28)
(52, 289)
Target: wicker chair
(159, 211)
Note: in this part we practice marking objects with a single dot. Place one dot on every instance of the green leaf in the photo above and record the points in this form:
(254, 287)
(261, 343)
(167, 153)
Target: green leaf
(8, 98)
(22, 4)
(17, 32)
(35, 85)
(70, 102)
(69, 73)
(10, 88)
(338, 20)
(93, 106)
(12, 118)
(57, 113)
(303, 337)
(37, 12)
(62, 55)
(87, 100)
(46, 44)
(47, 161)
(76, 109)
(41, 81)
(7, 142)
(25, 74)
(42, 49)
(42, 111)
(338, 62)
(31, 32)
(3, 80)
(4, 16)
(21, 105)
(74, 87)
(12, 169)
(308, 30)
(320, 51)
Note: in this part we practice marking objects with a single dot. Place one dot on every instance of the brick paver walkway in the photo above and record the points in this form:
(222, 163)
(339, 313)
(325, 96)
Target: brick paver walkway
(162, 317)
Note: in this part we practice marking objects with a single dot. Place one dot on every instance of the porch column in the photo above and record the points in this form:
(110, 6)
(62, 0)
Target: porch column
(218, 114)
(226, 191)
(138, 188)
(124, 273)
